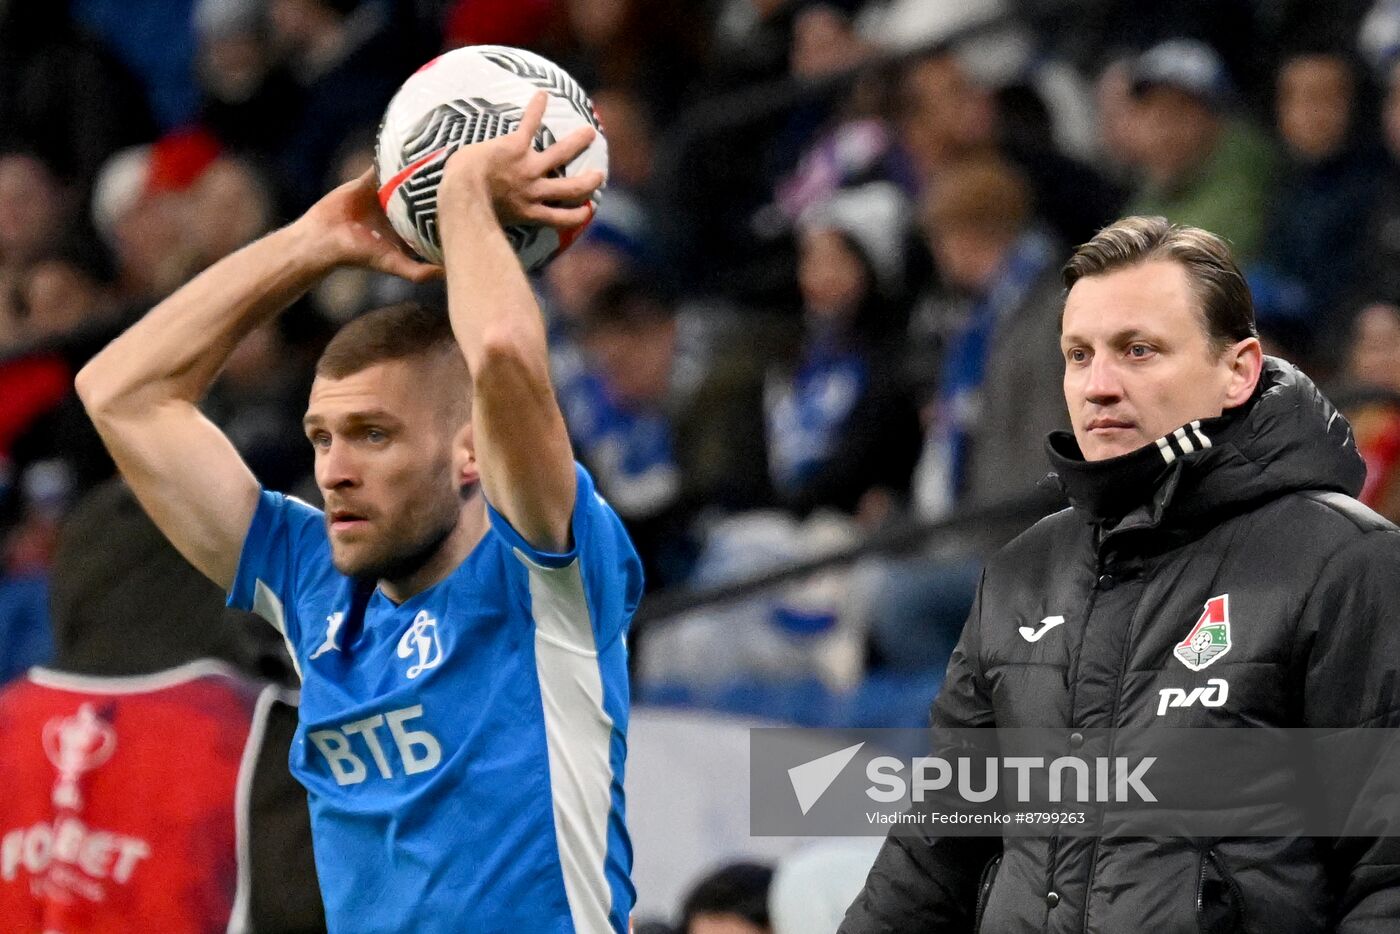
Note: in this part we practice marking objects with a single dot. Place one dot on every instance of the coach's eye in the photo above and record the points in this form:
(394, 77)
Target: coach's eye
(321, 440)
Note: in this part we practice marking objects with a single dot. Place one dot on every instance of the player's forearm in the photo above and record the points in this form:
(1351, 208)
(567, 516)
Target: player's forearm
(519, 433)
(176, 350)
(491, 304)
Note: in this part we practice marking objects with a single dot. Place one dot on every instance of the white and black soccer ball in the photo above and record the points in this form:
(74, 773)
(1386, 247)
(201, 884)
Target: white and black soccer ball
(466, 96)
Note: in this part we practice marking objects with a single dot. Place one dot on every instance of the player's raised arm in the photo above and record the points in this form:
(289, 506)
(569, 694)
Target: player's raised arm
(142, 390)
(521, 442)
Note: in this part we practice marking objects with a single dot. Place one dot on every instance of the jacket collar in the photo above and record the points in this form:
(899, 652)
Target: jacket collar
(1287, 437)
(1142, 481)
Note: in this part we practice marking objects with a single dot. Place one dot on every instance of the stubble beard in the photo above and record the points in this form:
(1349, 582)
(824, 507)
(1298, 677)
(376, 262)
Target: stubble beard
(397, 558)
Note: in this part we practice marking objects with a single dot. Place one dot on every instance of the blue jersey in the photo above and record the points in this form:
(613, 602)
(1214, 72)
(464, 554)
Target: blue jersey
(463, 751)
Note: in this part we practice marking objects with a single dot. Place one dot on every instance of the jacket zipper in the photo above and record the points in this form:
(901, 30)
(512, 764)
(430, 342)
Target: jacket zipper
(1113, 723)
(984, 890)
(1201, 887)
(1073, 704)
(1210, 858)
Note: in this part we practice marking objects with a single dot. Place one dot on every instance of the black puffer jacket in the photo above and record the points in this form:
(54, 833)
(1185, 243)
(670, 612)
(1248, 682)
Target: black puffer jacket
(1263, 514)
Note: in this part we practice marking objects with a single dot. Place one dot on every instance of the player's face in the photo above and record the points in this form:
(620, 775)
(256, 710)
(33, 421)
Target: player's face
(1139, 362)
(391, 464)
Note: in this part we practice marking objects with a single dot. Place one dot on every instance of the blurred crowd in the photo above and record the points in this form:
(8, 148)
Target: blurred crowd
(821, 295)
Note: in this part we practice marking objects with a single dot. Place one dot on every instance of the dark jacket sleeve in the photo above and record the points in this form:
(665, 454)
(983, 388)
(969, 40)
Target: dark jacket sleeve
(923, 883)
(1351, 627)
(286, 896)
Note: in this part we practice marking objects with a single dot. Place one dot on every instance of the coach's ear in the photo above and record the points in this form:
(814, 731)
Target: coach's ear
(464, 465)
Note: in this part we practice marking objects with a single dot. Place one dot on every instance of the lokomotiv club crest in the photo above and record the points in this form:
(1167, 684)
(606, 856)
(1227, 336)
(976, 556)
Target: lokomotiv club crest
(1209, 639)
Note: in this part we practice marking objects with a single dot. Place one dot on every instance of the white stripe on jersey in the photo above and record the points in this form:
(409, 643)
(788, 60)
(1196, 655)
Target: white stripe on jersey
(269, 607)
(578, 732)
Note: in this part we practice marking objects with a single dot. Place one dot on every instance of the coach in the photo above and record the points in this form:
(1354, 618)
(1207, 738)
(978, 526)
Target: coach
(1213, 534)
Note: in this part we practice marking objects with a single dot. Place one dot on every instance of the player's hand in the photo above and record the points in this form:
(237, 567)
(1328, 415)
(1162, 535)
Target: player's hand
(516, 178)
(347, 227)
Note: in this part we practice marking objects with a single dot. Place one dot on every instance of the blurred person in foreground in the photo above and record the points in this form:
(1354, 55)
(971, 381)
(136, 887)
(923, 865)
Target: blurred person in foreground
(457, 613)
(144, 775)
(1199, 166)
(731, 900)
(1201, 475)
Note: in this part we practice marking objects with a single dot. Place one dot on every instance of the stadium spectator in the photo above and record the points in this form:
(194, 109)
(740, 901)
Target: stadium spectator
(1119, 121)
(996, 395)
(669, 428)
(948, 116)
(247, 95)
(58, 302)
(1312, 245)
(346, 63)
(64, 291)
(730, 900)
(855, 143)
(34, 209)
(1381, 263)
(63, 94)
(1372, 390)
(631, 138)
(1199, 166)
(155, 735)
(230, 206)
(138, 33)
(841, 430)
(653, 49)
(26, 556)
(985, 345)
(142, 209)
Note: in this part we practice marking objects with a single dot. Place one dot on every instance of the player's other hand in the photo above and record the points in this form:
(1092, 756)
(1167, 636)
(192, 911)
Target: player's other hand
(516, 178)
(347, 227)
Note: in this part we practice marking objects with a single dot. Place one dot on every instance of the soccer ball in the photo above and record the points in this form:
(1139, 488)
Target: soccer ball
(466, 96)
